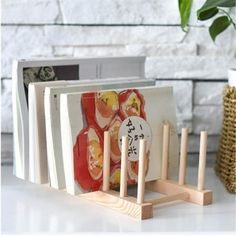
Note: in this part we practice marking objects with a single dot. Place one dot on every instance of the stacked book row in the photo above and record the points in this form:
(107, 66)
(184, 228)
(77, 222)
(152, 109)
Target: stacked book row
(62, 107)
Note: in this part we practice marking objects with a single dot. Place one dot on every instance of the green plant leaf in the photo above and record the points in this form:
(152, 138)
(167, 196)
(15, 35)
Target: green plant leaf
(185, 10)
(208, 9)
(218, 3)
(218, 26)
(226, 3)
(205, 15)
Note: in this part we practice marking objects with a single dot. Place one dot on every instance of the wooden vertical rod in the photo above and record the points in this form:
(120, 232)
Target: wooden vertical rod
(124, 160)
(106, 161)
(165, 151)
(141, 171)
(183, 156)
(202, 160)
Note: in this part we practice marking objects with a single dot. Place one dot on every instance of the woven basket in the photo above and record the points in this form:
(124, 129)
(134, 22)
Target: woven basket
(226, 158)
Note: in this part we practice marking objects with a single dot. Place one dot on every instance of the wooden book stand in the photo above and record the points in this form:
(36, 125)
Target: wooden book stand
(137, 207)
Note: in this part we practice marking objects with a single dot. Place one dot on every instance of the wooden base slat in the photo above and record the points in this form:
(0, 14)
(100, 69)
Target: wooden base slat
(165, 199)
(129, 206)
(125, 205)
(169, 187)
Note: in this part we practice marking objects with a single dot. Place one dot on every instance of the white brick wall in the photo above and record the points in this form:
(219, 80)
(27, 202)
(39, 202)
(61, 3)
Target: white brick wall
(191, 62)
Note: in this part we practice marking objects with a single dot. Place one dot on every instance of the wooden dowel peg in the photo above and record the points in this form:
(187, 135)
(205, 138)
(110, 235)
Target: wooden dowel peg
(165, 151)
(141, 171)
(202, 161)
(124, 160)
(183, 156)
(106, 162)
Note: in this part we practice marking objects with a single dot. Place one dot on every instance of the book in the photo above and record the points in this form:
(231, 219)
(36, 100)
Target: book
(38, 168)
(44, 70)
(52, 116)
(38, 160)
(137, 113)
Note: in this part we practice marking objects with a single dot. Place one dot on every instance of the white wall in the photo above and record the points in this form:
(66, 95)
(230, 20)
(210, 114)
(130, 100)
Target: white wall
(191, 62)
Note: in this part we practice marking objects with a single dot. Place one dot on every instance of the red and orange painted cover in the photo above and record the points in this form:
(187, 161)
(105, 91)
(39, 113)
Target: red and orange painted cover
(105, 110)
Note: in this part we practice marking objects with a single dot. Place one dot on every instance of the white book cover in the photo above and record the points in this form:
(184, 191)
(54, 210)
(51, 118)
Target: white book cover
(35, 70)
(137, 113)
(38, 168)
(52, 116)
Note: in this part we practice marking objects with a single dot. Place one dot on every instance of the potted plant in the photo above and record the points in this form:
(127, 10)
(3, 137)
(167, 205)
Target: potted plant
(220, 9)
(211, 8)
(226, 157)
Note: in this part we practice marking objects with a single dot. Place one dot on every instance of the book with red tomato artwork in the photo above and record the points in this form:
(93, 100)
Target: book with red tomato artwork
(51, 104)
(137, 113)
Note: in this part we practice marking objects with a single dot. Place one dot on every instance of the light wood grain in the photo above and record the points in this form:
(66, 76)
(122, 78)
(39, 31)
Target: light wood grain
(123, 172)
(170, 187)
(170, 198)
(126, 205)
(137, 208)
(141, 171)
(202, 160)
(165, 151)
(183, 156)
(106, 162)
